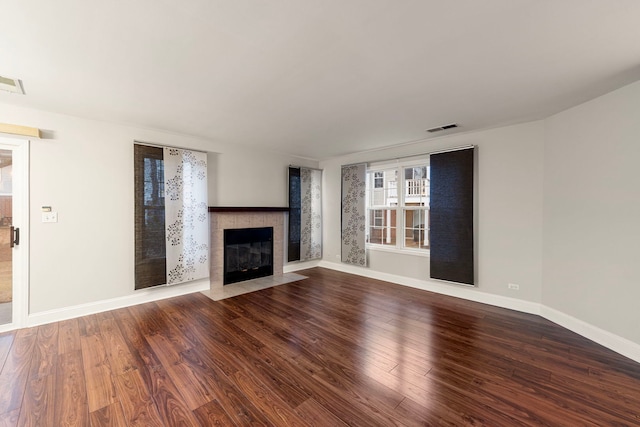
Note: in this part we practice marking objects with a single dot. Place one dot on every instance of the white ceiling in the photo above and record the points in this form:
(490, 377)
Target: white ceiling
(316, 78)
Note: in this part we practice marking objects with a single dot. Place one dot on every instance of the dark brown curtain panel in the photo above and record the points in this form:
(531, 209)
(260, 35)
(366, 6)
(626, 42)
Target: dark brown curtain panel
(150, 247)
(451, 205)
(305, 214)
(295, 209)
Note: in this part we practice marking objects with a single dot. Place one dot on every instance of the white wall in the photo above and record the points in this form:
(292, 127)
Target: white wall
(591, 261)
(84, 170)
(509, 232)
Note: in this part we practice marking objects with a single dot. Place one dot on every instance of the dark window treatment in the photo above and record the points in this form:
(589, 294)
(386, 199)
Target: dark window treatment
(295, 205)
(150, 252)
(305, 214)
(451, 200)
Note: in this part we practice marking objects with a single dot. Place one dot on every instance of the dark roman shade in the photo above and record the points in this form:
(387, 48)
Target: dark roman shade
(451, 205)
(305, 214)
(150, 251)
(295, 202)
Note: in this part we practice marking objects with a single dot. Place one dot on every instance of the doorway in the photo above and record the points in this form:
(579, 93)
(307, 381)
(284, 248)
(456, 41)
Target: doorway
(13, 232)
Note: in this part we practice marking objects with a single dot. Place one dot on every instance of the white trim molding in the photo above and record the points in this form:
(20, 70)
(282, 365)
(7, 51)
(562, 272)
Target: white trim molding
(139, 297)
(607, 339)
(613, 342)
(302, 265)
(465, 292)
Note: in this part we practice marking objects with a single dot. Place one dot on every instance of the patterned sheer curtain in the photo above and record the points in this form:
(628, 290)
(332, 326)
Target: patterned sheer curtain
(171, 216)
(186, 214)
(305, 214)
(353, 214)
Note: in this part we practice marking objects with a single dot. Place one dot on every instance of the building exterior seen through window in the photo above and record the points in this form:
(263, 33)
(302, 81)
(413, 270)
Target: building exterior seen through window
(398, 209)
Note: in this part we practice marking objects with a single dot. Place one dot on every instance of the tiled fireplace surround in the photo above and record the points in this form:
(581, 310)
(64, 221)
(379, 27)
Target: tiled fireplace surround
(239, 219)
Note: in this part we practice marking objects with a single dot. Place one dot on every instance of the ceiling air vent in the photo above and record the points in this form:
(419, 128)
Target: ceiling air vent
(441, 128)
(11, 85)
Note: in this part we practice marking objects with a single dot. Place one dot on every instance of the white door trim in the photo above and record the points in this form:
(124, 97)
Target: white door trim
(20, 258)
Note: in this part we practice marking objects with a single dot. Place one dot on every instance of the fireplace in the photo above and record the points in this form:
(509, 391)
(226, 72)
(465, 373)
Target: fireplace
(229, 218)
(248, 254)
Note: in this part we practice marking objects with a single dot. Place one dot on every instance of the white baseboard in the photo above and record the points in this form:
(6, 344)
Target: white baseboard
(139, 297)
(296, 266)
(465, 292)
(611, 341)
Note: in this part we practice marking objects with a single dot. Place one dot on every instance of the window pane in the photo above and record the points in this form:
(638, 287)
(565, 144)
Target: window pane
(378, 180)
(381, 188)
(416, 186)
(382, 226)
(416, 232)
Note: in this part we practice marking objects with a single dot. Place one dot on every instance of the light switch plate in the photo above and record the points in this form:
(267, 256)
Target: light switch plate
(50, 217)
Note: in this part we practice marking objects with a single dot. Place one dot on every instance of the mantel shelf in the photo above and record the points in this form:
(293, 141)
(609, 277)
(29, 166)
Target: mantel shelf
(248, 209)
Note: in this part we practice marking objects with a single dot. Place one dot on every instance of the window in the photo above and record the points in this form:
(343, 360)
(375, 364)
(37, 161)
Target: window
(378, 179)
(398, 210)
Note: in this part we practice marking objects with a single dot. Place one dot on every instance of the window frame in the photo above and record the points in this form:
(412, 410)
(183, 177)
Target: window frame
(400, 207)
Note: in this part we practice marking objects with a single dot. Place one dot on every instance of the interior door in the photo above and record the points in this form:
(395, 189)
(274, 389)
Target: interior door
(13, 232)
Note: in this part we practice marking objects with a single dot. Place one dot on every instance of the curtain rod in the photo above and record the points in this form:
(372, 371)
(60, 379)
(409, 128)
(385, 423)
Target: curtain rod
(446, 150)
(151, 144)
(306, 167)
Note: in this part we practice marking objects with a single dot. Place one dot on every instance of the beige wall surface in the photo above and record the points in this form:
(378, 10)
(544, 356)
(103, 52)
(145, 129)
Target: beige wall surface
(83, 169)
(591, 262)
(509, 212)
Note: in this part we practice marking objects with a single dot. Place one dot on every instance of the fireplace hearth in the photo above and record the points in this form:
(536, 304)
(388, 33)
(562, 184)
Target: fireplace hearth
(248, 254)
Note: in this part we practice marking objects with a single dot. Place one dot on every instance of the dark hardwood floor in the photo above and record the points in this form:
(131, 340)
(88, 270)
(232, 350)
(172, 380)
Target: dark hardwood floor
(330, 350)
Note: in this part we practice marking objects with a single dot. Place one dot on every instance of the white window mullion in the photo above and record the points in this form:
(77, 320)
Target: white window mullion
(400, 213)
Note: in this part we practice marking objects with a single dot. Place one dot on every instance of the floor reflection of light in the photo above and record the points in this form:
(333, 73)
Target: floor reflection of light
(392, 356)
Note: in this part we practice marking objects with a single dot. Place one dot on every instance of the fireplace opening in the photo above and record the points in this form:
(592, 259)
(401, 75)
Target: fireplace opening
(248, 254)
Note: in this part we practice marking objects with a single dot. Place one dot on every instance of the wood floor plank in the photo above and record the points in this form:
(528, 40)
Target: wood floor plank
(193, 387)
(212, 414)
(45, 354)
(332, 349)
(39, 402)
(314, 414)
(137, 403)
(69, 336)
(73, 410)
(10, 419)
(118, 352)
(138, 345)
(88, 325)
(239, 408)
(109, 416)
(172, 408)
(15, 372)
(99, 378)
(275, 409)
(6, 340)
